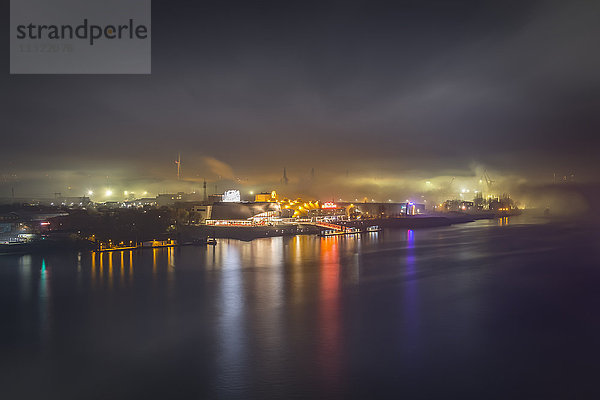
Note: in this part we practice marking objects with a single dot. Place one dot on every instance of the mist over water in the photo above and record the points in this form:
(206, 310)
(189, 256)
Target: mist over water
(492, 309)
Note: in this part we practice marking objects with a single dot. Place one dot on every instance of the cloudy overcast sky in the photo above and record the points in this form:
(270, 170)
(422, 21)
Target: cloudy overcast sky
(420, 89)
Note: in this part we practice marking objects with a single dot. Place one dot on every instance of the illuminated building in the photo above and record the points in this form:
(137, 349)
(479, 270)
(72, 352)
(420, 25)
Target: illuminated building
(504, 204)
(58, 200)
(168, 199)
(467, 205)
(378, 210)
(8, 226)
(411, 208)
(299, 207)
(21, 227)
(215, 198)
(240, 211)
(143, 202)
(327, 213)
(232, 196)
(266, 197)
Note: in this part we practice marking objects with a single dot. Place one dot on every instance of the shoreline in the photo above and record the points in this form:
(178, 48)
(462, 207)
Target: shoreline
(198, 234)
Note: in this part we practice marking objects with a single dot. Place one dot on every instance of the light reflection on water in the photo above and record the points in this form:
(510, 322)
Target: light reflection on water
(45, 292)
(411, 315)
(503, 221)
(307, 316)
(232, 336)
(26, 266)
(329, 314)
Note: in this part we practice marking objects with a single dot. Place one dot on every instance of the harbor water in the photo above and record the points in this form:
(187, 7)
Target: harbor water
(505, 308)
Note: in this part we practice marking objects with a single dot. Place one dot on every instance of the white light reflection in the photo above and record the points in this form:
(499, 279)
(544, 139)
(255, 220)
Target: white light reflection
(25, 267)
(231, 332)
(79, 273)
(268, 286)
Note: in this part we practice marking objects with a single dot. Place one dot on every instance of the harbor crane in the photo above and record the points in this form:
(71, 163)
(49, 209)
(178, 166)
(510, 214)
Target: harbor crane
(488, 181)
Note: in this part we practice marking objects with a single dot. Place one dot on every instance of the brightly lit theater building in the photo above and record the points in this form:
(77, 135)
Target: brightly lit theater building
(267, 209)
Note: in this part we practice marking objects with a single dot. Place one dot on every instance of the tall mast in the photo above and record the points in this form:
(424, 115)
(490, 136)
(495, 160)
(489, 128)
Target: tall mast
(178, 162)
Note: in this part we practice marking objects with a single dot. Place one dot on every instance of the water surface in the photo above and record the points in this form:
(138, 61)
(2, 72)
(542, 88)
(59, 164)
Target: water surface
(491, 309)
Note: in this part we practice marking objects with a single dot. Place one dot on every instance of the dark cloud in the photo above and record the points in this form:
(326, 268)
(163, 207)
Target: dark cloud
(420, 89)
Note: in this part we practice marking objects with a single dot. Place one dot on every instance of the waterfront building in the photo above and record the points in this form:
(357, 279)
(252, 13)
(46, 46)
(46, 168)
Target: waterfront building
(266, 197)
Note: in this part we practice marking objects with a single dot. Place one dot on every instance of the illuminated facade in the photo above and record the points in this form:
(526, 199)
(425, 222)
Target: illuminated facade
(299, 207)
(378, 210)
(232, 196)
(239, 211)
(328, 214)
(266, 197)
(8, 224)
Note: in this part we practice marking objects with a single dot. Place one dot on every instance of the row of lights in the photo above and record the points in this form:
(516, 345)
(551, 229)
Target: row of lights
(109, 193)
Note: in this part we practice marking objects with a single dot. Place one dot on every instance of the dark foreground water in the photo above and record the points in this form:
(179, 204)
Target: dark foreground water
(492, 309)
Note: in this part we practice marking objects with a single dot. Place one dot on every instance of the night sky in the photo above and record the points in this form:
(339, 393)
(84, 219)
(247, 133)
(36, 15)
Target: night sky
(377, 98)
